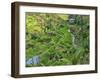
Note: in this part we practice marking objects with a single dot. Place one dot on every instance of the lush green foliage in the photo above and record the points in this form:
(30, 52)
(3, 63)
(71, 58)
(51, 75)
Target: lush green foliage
(56, 40)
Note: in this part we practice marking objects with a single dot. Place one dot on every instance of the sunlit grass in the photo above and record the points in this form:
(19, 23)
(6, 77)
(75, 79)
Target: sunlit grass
(55, 40)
